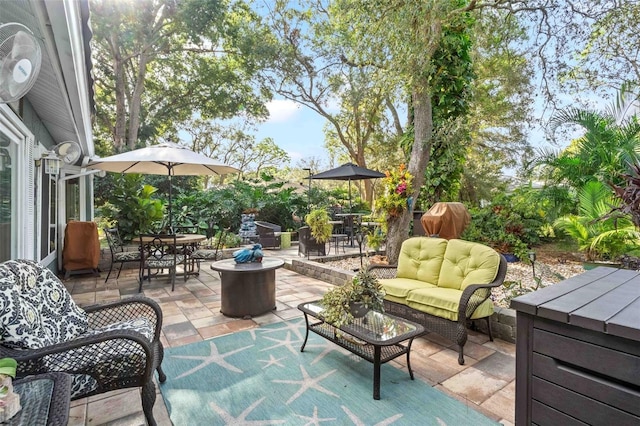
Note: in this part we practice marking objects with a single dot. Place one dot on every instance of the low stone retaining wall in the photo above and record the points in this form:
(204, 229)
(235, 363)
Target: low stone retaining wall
(503, 321)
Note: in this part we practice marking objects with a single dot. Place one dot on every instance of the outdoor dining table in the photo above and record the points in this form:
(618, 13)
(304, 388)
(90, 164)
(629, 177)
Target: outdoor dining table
(187, 244)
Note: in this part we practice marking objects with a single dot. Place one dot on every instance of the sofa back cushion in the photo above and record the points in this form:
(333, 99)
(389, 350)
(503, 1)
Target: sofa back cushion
(421, 259)
(467, 263)
(35, 308)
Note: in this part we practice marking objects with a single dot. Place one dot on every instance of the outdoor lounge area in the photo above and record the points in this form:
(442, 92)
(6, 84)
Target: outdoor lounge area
(485, 384)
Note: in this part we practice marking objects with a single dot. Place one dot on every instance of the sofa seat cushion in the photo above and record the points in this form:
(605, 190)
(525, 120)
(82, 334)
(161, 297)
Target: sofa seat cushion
(421, 258)
(444, 303)
(467, 263)
(400, 287)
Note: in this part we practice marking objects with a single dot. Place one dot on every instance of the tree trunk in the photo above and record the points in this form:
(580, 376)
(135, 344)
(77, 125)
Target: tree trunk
(136, 99)
(398, 227)
(120, 129)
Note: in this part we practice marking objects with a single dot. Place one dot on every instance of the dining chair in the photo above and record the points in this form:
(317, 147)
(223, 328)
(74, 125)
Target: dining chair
(187, 250)
(212, 252)
(118, 252)
(159, 252)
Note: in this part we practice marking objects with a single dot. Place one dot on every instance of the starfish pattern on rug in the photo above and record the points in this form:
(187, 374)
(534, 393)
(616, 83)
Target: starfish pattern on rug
(272, 361)
(356, 421)
(242, 418)
(296, 327)
(328, 347)
(307, 383)
(214, 357)
(286, 342)
(315, 420)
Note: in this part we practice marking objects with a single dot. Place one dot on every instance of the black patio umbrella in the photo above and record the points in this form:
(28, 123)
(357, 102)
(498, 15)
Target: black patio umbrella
(348, 171)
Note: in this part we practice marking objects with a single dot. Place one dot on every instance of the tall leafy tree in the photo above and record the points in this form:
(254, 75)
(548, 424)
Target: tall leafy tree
(157, 62)
(609, 144)
(309, 68)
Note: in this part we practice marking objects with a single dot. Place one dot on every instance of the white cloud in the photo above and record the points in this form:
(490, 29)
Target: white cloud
(282, 110)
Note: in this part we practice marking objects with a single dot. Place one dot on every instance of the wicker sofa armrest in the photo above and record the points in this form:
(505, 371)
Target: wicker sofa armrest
(87, 352)
(383, 271)
(135, 307)
(474, 294)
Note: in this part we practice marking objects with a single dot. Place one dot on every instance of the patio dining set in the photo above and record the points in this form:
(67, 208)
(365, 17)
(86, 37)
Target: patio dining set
(156, 253)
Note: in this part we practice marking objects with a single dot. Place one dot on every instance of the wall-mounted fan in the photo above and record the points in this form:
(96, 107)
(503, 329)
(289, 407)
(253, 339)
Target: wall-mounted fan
(20, 59)
(69, 151)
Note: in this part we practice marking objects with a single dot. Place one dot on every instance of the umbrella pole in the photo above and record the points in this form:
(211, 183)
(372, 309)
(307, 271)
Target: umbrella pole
(170, 211)
(350, 205)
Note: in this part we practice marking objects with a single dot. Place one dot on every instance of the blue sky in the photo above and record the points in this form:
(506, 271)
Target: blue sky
(296, 129)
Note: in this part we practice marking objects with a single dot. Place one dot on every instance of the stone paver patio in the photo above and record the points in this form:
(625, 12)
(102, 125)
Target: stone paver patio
(485, 383)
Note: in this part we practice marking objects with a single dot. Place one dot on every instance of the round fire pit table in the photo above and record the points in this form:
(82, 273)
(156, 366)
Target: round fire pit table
(248, 289)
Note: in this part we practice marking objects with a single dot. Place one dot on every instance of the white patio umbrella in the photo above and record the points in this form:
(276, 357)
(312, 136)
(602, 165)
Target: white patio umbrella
(167, 158)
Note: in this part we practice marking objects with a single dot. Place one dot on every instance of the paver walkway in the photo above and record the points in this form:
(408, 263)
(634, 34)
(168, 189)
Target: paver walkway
(485, 383)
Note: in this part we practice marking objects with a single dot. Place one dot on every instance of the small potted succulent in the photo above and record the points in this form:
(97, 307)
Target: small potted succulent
(353, 300)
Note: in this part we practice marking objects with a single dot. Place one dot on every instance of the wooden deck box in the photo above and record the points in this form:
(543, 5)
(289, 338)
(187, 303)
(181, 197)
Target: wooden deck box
(578, 351)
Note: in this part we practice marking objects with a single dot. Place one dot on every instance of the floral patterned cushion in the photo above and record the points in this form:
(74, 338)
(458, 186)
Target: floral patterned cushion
(206, 254)
(126, 256)
(35, 308)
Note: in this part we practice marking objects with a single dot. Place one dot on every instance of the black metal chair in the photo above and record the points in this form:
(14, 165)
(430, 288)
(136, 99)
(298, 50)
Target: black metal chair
(159, 252)
(103, 347)
(118, 252)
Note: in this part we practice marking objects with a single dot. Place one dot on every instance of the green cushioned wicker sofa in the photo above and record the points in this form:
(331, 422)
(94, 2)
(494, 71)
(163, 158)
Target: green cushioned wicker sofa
(443, 284)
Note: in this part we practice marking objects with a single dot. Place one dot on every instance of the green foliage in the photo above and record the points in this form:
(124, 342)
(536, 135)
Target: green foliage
(364, 288)
(451, 84)
(318, 221)
(510, 224)
(168, 61)
(213, 210)
(8, 367)
(132, 206)
(375, 238)
(611, 141)
(599, 234)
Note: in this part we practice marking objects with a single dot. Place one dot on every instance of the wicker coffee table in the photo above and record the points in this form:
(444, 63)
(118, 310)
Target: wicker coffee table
(376, 337)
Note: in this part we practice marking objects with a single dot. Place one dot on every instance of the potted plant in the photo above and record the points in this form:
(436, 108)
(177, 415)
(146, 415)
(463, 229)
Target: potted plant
(353, 300)
(375, 239)
(9, 400)
(318, 221)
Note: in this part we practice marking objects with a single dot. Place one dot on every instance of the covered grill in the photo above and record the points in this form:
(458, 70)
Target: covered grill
(446, 220)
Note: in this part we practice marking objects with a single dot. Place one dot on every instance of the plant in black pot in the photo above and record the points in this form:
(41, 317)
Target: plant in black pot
(353, 300)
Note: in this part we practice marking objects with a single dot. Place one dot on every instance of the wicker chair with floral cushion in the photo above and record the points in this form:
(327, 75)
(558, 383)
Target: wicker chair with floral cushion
(103, 347)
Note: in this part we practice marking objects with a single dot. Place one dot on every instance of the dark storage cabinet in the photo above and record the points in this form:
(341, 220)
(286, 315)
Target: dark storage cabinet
(578, 351)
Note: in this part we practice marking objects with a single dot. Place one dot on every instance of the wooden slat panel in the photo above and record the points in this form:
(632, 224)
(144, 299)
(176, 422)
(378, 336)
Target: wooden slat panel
(596, 314)
(605, 361)
(560, 308)
(627, 322)
(530, 302)
(579, 406)
(611, 393)
(607, 340)
(544, 415)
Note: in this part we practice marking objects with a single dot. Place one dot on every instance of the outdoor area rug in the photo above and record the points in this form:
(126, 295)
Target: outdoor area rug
(260, 377)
